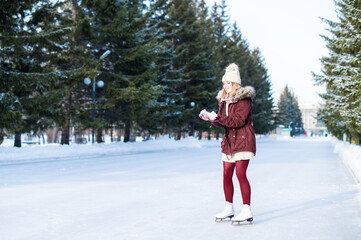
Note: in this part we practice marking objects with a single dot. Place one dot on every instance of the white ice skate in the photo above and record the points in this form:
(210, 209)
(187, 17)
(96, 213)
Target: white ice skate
(244, 215)
(227, 212)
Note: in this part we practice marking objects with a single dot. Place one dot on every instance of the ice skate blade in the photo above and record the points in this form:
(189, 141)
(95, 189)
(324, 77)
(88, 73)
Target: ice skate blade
(224, 219)
(250, 220)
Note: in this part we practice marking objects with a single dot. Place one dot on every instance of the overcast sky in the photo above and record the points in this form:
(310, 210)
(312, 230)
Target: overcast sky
(287, 33)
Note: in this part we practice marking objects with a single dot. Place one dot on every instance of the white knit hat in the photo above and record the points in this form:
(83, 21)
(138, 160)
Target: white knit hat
(232, 74)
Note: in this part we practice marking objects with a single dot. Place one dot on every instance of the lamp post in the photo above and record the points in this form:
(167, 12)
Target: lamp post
(95, 83)
(105, 54)
(100, 84)
(170, 102)
(192, 106)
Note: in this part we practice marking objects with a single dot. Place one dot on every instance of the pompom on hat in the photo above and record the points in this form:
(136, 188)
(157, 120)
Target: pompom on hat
(232, 74)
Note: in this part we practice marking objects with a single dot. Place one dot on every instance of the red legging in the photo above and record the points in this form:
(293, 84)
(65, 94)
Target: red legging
(241, 169)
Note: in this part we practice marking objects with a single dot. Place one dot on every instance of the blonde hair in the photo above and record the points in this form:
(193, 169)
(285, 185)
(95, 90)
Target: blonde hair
(235, 87)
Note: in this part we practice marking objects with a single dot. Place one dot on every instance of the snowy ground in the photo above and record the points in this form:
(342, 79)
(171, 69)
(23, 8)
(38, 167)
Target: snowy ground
(301, 189)
(351, 155)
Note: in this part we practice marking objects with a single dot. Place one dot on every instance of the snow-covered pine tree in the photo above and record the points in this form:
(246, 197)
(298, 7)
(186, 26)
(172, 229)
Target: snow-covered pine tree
(157, 22)
(201, 89)
(98, 32)
(297, 125)
(154, 109)
(31, 40)
(219, 43)
(288, 113)
(10, 22)
(256, 75)
(341, 71)
(78, 61)
(184, 67)
(129, 78)
(332, 117)
(13, 88)
(220, 34)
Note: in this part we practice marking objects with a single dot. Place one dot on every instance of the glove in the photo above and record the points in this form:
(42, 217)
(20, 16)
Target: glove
(207, 116)
(212, 115)
(204, 117)
(216, 119)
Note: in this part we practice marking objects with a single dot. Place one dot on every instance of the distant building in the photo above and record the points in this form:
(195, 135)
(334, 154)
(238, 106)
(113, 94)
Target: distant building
(283, 131)
(310, 123)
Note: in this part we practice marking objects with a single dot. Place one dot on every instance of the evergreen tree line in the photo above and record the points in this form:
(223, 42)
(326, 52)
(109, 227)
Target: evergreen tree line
(341, 74)
(288, 113)
(165, 65)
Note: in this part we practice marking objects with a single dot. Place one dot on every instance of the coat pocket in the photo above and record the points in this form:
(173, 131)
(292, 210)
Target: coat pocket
(240, 143)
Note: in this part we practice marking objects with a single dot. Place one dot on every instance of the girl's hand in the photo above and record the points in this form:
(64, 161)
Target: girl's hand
(216, 119)
(204, 117)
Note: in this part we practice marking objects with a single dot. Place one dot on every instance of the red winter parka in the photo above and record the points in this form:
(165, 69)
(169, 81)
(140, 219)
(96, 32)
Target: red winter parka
(238, 125)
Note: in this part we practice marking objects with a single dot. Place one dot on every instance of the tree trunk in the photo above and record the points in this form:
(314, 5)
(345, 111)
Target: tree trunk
(65, 135)
(74, 12)
(127, 131)
(99, 136)
(165, 129)
(17, 142)
(179, 135)
(2, 135)
(52, 134)
(66, 130)
(119, 134)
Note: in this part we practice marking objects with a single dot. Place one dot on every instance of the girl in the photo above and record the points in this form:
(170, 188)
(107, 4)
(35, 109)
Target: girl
(239, 142)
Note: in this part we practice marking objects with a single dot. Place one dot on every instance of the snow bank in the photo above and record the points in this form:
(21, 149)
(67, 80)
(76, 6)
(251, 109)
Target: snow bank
(351, 155)
(31, 153)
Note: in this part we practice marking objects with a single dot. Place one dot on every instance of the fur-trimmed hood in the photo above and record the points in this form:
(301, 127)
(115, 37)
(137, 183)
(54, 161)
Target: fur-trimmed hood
(241, 93)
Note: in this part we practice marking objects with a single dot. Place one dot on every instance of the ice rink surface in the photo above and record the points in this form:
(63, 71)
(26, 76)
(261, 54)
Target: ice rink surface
(160, 190)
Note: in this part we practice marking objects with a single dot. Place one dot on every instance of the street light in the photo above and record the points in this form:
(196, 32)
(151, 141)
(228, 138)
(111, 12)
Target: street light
(192, 106)
(99, 83)
(105, 54)
(170, 102)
